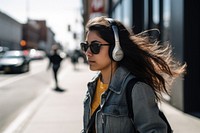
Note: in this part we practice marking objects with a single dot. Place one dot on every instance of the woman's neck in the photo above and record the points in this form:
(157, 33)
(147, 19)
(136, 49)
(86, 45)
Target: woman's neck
(107, 74)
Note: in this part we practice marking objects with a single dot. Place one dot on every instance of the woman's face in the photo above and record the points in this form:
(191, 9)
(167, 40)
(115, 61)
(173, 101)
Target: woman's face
(100, 61)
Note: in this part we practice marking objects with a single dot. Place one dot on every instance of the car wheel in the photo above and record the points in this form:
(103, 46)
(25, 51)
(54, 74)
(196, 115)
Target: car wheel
(25, 68)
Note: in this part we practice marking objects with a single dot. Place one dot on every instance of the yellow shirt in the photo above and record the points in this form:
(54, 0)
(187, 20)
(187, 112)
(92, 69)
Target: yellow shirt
(100, 89)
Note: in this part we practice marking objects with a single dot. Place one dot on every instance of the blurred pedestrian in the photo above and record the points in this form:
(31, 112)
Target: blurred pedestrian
(55, 61)
(121, 56)
(74, 58)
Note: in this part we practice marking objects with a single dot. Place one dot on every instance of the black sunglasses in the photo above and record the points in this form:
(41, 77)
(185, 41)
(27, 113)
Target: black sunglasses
(94, 46)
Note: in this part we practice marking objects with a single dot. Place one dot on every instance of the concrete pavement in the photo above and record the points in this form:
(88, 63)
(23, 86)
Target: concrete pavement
(62, 111)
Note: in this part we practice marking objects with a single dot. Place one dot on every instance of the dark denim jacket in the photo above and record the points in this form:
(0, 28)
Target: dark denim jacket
(112, 117)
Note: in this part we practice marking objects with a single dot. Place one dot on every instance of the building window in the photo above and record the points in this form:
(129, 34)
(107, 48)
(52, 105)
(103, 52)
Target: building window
(156, 12)
(166, 19)
(146, 14)
(117, 12)
(127, 12)
(166, 13)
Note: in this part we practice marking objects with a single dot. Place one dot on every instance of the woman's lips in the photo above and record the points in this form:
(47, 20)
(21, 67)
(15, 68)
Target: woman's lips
(91, 62)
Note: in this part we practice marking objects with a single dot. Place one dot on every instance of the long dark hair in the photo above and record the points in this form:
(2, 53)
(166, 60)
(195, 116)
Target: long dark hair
(147, 59)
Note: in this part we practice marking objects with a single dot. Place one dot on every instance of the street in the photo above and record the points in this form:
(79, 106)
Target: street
(18, 90)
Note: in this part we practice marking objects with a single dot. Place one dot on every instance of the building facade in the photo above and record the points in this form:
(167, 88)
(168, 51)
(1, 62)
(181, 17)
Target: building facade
(37, 35)
(32, 35)
(10, 32)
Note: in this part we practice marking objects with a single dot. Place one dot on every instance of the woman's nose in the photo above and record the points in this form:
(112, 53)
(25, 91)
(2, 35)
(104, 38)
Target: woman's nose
(88, 52)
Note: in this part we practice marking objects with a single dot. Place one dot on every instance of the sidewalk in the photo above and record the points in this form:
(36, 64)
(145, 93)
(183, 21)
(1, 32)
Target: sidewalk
(180, 121)
(62, 112)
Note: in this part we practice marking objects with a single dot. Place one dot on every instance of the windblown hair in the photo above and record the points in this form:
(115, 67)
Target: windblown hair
(145, 58)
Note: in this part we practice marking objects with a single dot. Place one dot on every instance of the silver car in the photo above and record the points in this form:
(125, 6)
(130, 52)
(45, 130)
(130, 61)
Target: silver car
(14, 61)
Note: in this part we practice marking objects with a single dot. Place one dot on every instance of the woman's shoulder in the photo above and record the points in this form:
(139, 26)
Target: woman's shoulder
(142, 90)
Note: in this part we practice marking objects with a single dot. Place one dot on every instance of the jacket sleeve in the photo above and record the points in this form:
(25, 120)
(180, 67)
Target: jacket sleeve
(146, 111)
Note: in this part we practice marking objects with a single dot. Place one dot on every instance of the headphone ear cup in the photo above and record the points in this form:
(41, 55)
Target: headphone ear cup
(117, 53)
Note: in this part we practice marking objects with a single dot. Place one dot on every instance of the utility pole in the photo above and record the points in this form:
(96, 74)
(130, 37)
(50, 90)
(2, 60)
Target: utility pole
(27, 29)
(27, 10)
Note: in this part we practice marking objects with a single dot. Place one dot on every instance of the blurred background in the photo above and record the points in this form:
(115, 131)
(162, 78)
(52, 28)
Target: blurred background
(33, 26)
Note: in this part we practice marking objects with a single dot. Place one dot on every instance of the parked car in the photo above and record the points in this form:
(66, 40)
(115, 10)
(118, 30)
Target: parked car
(37, 54)
(3, 50)
(14, 61)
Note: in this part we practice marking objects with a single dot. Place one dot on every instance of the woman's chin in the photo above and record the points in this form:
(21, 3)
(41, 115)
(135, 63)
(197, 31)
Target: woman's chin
(93, 68)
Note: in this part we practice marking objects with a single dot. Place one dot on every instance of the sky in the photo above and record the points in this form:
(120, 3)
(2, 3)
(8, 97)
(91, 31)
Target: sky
(57, 13)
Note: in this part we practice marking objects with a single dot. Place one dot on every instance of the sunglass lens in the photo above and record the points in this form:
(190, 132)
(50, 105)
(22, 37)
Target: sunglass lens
(95, 48)
(84, 47)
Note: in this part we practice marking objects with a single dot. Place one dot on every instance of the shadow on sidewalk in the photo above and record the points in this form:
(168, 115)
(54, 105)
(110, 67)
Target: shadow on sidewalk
(58, 89)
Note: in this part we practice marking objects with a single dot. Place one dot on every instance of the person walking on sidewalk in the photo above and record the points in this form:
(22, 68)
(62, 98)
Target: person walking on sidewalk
(119, 56)
(74, 58)
(55, 60)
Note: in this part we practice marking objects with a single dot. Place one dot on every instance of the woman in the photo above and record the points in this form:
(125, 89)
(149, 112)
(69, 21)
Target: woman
(120, 56)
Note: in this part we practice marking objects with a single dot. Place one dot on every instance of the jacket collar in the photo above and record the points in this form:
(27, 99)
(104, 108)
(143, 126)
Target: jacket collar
(118, 80)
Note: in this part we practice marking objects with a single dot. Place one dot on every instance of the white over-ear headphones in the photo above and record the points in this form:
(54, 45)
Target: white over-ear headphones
(117, 53)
